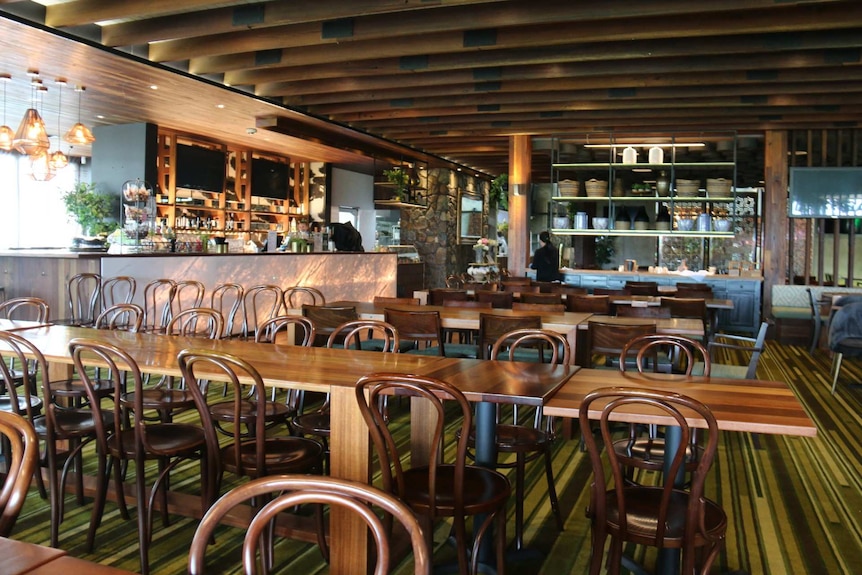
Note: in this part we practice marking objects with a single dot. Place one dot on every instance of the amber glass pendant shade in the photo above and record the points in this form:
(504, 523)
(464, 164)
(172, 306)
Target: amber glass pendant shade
(32, 137)
(41, 169)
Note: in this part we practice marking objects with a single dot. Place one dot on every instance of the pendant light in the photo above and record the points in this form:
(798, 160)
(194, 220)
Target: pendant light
(79, 134)
(6, 133)
(41, 169)
(31, 138)
(58, 159)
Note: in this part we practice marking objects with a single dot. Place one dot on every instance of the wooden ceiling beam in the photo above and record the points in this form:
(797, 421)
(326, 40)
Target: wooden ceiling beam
(641, 51)
(799, 18)
(78, 12)
(573, 92)
(414, 23)
(276, 13)
(666, 72)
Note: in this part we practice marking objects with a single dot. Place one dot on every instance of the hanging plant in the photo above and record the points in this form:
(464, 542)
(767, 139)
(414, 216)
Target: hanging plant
(498, 194)
(401, 179)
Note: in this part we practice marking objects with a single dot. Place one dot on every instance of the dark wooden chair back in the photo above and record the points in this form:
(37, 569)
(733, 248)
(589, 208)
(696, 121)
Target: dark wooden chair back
(598, 304)
(326, 319)
(498, 299)
(642, 288)
(436, 296)
(648, 311)
(492, 327)
(608, 339)
(549, 298)
(421, 327)
(694, 308)
(22, 459)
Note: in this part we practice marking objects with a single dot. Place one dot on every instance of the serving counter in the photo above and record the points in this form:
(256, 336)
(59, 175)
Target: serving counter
(355, 276)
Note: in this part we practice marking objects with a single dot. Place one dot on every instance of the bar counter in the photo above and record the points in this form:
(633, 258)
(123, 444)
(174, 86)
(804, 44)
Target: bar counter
(355, 276)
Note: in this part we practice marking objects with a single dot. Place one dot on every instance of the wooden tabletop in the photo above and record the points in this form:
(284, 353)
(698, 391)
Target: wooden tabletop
(67, 565)
(654, 301)
(738, 404)
(22, 557)
(664, 325)
(17, 324)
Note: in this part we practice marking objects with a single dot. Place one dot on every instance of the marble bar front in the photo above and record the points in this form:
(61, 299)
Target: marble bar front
(339, 275)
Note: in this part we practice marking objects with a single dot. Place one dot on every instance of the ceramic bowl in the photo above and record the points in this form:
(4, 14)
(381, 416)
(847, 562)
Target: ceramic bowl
(721, 225)
(685, 225)
(600, 223)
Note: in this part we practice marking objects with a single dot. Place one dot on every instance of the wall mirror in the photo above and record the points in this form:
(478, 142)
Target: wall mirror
(470, 217)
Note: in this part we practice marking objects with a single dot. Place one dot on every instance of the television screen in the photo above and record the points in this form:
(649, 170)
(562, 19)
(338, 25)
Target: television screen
(200, 168)
(825, 193)
(269, 179)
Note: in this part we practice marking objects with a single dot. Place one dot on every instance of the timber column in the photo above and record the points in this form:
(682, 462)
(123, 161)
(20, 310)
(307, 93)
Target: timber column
(520, 176)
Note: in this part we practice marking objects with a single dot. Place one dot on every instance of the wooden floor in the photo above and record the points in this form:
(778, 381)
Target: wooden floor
(795, 504)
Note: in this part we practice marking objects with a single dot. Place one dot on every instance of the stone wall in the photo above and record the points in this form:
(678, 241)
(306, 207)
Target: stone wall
(434, 230)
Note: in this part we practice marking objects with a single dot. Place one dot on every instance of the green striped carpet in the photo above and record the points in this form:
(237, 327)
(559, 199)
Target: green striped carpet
(795, 504)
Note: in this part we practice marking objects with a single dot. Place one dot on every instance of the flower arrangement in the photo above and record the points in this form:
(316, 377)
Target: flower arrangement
(483, 244)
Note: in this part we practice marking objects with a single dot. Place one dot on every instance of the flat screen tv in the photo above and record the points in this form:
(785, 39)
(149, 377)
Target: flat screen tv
(269, 179)
(825, 193)
(200, 168)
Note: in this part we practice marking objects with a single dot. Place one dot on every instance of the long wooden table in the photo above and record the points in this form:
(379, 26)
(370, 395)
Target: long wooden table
(570, 324)
(737, 404)
(334, 371)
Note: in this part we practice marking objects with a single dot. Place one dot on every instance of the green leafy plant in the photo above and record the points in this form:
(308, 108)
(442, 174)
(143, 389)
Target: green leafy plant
(401, 179)
(605, 250)
(89, 208)
(497, 194)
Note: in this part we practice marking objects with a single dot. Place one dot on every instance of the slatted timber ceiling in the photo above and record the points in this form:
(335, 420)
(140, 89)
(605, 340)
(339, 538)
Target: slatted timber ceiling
(456, 78)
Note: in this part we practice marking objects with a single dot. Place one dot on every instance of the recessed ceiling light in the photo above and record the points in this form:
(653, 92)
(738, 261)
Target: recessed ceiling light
(100, 116)
(220, 106)
(153, 87)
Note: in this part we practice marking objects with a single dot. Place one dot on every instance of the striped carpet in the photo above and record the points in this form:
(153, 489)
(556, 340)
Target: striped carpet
(794, 504)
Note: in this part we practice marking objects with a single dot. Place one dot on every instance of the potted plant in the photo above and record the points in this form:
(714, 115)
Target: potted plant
(498, 195)
(400, 179)
(89, 208)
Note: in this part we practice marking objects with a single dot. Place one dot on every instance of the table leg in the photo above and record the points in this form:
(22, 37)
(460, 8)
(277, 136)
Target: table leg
(668, 559)
(350, 458)
(486, 456)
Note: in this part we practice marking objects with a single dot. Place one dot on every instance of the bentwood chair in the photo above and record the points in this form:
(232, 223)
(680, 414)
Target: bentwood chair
(30, 309)
(118, 289)
(664, 516)
(287, 491)
(21, 452)
(168, 443)
(254, 454)
(845, 333)
(533, 440)
(227, 299)
(158, 301)
(433, 489)
(646, 452)
(295, 297)
(189, 294)
(276, 330)
(122, 317)
(260, 303)
(349, 335)
(70, 424)
(83, 292)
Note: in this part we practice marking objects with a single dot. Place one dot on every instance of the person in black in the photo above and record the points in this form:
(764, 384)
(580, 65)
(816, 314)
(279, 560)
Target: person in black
(546, 260)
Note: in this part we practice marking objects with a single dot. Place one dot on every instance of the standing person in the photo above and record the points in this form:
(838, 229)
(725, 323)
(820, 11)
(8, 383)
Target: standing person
(546, 260)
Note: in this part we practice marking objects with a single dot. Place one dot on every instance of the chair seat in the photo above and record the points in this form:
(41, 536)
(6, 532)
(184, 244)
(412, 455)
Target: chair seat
(224, 411)
(515, 438)
(161, 399)
(6, 403)
(851, 346)
(283, 455)
(649, 453)
(74, 388)
(485, 490)
(163, 439)
(642, 504)
(72, 423)
(316, 423)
